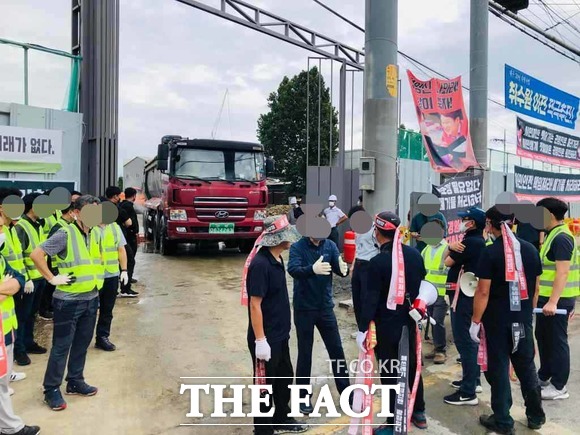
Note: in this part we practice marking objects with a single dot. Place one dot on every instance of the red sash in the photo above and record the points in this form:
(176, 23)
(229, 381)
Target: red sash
(482, 350)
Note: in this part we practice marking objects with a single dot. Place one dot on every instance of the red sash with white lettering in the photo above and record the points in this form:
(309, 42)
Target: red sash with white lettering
(365, 376)
(514, 266)
(417, 373)
(397, 284)
(261, 373)
(482, 350)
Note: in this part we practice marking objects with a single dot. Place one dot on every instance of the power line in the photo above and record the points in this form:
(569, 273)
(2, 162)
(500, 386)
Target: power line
(564, 20)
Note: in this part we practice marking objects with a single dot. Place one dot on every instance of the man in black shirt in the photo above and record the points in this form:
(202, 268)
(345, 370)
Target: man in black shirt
(125, 222)
(269, 323)
(132, 232)
(389, 323)
(464, 256)
(492, 307)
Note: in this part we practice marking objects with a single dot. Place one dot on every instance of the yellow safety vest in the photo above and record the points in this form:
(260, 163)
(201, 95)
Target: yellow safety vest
(9, 321)
(111, 237)
(572, 288)
(34, 239)
(488, 242)
(81, 261)
(12, 251)
(434, 264)
(50, 221)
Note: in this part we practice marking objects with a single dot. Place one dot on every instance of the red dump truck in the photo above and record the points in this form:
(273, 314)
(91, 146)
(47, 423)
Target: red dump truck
(201, 190)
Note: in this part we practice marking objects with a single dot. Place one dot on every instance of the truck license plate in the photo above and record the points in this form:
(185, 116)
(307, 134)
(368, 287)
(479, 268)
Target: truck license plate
(221, 228)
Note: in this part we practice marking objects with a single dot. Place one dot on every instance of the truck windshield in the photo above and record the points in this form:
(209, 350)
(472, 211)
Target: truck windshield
(228, 165)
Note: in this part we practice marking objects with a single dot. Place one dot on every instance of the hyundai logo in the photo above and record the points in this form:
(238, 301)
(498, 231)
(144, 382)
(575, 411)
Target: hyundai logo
(222, 214)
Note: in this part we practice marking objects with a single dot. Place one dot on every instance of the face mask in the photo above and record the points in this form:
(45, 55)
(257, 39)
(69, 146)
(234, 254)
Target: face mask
(359, 203)
(331, 203)
(2, 239)
(463, 227)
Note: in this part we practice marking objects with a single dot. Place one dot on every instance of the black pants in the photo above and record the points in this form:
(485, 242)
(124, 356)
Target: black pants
(500, 345)
(107, 298)
(552, 336)
(46, 301)
(325, 321)
(279, 374)
(387, 354)
(438, 311)
(460, 323)
(359, 284)
(131, 249)
(334, 235)
(26, 307)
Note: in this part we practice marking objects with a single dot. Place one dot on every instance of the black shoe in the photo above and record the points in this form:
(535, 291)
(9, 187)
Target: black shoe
(53, 398)
(46, 315)
(21, 359)
(105, 344)
(306, 409)
(36, 349)
(81, 388)
(457, 399)
(289, 426)
(134, 281)
(536, 423)
(28, 430)
(488, 421)
(128, 294)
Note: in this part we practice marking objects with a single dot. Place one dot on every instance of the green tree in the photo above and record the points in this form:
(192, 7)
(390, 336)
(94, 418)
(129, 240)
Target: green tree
(120, 183)
(282, 130)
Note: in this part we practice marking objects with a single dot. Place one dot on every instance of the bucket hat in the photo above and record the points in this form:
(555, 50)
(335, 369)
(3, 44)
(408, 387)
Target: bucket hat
(277, 230)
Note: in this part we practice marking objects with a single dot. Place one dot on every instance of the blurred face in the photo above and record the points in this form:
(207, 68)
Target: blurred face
(73, 198)
(450, 125)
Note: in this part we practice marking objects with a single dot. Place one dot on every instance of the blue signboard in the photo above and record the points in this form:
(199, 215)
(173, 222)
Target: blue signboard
(532, 97)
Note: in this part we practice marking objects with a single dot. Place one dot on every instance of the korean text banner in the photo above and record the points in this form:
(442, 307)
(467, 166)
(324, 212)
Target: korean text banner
(30, 149)
(534, 185)
(443, 123)
(529, 96)
(456, 195)
(541, 143)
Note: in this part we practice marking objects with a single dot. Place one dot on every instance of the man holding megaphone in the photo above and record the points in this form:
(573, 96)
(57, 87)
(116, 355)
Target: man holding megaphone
(503, 305)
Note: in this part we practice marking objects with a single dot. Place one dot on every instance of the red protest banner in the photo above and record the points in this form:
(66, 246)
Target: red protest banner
(443, 123)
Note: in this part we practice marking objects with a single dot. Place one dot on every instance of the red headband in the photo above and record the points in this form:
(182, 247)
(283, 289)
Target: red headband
(383, 224)
(277, 225)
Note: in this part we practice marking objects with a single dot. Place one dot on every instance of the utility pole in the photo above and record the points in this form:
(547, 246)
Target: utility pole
(478, 58)
(380, 104)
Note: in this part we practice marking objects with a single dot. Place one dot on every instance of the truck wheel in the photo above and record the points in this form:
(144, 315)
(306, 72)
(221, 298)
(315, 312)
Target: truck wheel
(156, 234)
(166, 247)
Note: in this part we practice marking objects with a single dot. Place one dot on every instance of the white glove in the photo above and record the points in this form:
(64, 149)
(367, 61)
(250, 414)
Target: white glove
(29, 287)
(343, 266)
(124, 278)
(361, 338)
(321, 267)
(263, 350)
(6, 277)
(60, 280)
(474, 331)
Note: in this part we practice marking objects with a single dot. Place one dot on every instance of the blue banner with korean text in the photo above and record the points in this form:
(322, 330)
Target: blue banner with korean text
(529, 96)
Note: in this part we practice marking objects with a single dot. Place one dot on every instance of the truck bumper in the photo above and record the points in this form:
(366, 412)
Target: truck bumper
(186, 231)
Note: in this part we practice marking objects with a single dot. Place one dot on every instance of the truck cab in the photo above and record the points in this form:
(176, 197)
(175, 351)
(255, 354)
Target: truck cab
(206, 190)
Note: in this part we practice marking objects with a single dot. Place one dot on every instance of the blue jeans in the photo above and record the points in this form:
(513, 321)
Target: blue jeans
(27, 305)
(460, 323)
(74, 324)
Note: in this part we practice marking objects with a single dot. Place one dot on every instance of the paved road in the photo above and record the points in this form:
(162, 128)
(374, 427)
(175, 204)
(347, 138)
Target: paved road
(189, 322)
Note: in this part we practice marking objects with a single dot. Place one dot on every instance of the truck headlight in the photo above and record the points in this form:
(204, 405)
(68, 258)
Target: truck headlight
(259, 215)
(177, 215)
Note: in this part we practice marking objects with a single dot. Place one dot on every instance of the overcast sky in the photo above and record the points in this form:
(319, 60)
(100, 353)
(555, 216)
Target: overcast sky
(176, 62)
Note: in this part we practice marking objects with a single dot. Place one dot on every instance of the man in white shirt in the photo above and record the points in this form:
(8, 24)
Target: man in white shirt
(335, 217)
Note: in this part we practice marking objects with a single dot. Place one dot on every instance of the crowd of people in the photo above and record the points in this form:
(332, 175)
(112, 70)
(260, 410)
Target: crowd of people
(67, 271)
(514, 277)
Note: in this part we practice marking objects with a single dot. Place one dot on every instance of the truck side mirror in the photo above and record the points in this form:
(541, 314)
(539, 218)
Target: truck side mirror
(162, 156)
(269, 166)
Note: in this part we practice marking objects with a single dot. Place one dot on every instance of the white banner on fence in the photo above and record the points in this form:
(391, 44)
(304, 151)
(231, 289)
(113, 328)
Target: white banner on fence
(30, 145)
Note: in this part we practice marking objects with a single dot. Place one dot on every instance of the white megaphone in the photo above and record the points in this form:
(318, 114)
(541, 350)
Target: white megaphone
(427, 296)
(468, 284)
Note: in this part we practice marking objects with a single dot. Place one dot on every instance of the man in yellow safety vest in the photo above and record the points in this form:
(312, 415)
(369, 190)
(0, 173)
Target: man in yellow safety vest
(434, 258)
(559, 286)
(76, 301)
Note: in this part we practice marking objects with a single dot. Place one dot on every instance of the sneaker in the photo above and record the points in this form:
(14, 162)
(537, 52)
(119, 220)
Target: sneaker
(134, 281)
(21, 359)
(105, 344)
(458, 360)
(306, 409)
(440, 358)
(536, 423)
(128, 294)
(419, 420)
(488, 421)
(48, 315)
(11, 391)
(28, 430)
(544, 384)
(17, 376)
(36, 349)
(81, 388)
(457, 386)
(459, 400)
(290, 426)
(53, 398)
(551, 393)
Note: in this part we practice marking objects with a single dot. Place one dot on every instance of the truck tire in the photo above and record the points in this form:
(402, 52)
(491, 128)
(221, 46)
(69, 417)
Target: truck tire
(156, 233)
(166, 246)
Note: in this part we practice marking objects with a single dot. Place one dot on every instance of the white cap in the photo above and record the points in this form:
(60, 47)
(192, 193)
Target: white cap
(293, 200)
(332, 198)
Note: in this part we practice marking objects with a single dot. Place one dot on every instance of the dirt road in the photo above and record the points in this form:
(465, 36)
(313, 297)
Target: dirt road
(188, 322)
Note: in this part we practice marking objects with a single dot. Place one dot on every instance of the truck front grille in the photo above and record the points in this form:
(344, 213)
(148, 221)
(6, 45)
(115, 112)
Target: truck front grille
(220, 208)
